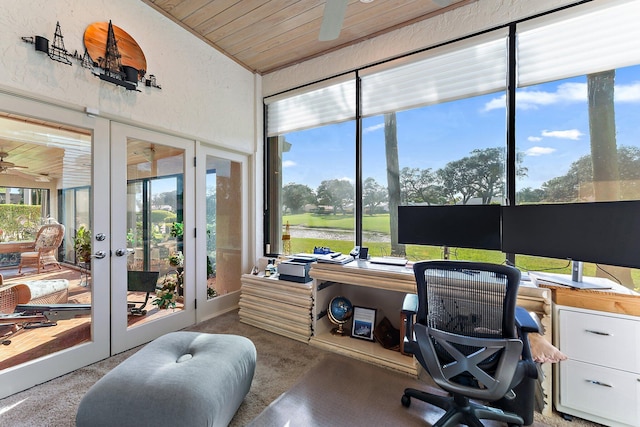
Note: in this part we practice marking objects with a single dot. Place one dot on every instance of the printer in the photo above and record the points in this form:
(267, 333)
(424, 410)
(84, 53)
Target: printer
(296, 269)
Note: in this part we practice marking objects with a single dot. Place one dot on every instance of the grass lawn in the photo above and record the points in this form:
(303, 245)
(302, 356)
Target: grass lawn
(380, 223)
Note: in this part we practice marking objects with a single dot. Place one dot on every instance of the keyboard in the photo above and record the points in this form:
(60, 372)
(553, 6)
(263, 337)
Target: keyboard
(388, 260)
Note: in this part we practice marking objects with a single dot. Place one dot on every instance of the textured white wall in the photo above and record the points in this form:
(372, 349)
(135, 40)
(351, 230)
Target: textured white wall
(204, 95)
(465, 20)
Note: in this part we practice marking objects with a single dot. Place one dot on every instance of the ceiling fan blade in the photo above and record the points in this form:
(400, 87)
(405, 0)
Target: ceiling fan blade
(334, 11)
(21, 174)
(443, 3)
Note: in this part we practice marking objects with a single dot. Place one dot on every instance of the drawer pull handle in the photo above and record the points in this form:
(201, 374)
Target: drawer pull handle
(599, 383)
(597, 332)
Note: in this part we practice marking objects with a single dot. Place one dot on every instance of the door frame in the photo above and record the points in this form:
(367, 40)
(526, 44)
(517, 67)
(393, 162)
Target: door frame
(37, 371)
(123, 337)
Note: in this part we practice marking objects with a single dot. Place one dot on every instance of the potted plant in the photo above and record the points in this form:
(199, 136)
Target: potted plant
(177, 230)
(167, 295)
(176, 259)
(82, 244)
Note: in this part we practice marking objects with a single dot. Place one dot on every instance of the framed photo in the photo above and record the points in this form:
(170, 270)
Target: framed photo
(364, 322)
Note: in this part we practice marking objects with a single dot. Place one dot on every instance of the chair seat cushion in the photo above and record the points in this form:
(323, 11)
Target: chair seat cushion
(182, 378)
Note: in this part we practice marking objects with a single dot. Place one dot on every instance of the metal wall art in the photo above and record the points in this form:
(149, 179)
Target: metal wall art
(109, 52)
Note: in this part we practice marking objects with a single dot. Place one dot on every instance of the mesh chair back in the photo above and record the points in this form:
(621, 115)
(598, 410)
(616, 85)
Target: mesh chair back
(467, 298)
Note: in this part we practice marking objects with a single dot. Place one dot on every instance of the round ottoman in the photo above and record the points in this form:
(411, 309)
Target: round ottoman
(182, 378)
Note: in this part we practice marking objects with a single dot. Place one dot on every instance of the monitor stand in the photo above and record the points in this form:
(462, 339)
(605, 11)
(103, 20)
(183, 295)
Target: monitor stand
(576, 271)
(567, 280)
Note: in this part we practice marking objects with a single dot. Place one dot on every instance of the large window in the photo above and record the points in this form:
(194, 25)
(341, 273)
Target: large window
(577, 108)
(429, 139)
(312, 169)
(440, 127)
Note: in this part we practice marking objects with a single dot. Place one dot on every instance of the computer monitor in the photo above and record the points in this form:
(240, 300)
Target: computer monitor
(463, 226)
(598, 232)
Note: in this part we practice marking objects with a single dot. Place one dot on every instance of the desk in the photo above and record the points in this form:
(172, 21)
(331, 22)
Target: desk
(383, 287)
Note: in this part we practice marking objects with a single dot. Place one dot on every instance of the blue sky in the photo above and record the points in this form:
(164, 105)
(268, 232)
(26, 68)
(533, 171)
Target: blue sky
(552, 130)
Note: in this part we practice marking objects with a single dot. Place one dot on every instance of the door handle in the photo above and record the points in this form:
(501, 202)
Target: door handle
(125, 251)
(99, 255)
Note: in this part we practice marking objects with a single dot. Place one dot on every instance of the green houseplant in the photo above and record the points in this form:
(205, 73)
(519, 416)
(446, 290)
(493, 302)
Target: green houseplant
(82, 244)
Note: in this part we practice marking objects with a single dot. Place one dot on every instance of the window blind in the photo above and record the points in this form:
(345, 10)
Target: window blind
(322, 104)
(585, 39)
(472, 67)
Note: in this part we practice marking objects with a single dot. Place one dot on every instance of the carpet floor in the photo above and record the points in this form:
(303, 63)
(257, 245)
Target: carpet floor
(294, 385)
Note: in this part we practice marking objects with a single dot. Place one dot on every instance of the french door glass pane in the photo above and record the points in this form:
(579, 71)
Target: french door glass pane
(224, 226)
(155, 186)
(45, 200)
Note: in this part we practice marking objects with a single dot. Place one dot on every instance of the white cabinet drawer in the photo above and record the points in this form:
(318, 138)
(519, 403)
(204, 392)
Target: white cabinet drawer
(606, 393)
(605, 340)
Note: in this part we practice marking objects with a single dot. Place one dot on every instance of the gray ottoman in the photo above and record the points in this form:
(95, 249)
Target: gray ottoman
(182, 378)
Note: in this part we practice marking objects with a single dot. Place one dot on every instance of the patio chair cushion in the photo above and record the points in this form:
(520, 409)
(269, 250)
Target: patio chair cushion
(182, 378)
(53, 291)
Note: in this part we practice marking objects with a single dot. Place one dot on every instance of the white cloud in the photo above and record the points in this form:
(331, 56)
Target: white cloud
(573, 134)
(566, 92)
(496, 103)
(532, 99)
(628, 93)
(373, 128)
(288, 164)
(534, 139)
(539, 151)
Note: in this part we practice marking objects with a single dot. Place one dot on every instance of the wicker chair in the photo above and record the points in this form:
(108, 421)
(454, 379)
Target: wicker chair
(12, 295)
(48, 240)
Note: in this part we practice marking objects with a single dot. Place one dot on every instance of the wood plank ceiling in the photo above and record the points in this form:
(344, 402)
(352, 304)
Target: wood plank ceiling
(267, 35)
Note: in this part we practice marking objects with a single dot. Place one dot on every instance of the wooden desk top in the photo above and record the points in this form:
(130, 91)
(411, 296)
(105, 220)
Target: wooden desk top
(401, 279)
(10, 247)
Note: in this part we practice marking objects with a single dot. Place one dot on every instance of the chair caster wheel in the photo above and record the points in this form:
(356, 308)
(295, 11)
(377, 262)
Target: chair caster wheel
(406, 401)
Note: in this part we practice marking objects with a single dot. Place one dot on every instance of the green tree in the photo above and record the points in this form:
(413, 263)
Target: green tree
(168, 198)
(530, 195)
(456, 178)
(295, 196)
(373, 194)
(576, 184)
(420, 186)
(568, 188)
(336, 193)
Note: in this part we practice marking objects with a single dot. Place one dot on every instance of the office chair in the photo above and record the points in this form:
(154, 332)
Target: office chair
(471, 338)
(141, 281)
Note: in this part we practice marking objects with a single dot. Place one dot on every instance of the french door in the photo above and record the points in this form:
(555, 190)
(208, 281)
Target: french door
(222, 203)
(152, 235)
(53, 159)
(131, 193)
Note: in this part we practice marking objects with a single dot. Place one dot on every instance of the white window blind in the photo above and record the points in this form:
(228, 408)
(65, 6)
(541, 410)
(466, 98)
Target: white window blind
(585, 39)
(322, 104)
(472, 67)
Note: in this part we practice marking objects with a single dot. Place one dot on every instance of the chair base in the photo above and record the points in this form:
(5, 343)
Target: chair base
(460, 410)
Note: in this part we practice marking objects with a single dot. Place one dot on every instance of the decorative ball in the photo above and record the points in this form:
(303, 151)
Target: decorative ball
(339, 312)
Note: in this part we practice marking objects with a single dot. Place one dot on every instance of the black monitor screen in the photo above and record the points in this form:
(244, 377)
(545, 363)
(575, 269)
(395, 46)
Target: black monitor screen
(598, 232)
(463, 226)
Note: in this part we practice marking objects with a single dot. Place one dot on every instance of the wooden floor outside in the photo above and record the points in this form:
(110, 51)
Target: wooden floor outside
(29, 344)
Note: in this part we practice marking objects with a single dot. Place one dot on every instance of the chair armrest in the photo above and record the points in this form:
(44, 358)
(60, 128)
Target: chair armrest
(410, 304)
(525, 322)
(407, 314)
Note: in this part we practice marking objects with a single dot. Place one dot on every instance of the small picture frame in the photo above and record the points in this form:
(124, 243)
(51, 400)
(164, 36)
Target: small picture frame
(364, 322)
